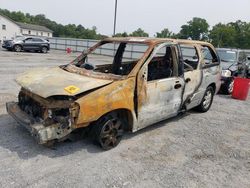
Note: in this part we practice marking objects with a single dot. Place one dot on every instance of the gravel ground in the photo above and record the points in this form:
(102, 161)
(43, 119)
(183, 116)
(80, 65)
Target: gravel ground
(192, 150)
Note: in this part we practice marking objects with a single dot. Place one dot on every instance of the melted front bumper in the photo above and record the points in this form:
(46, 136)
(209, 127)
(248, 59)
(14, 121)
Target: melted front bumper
(41, 133)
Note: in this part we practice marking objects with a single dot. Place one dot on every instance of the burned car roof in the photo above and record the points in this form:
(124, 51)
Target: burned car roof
(147, 40)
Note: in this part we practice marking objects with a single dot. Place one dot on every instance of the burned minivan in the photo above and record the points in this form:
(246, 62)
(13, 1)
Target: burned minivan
(118, 85)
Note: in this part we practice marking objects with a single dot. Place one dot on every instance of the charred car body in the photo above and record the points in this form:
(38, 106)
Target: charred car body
(128, 91)
(233, 63)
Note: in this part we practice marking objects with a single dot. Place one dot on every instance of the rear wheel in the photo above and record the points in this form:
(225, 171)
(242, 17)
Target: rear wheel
(44, 49)
(230, 87)
(17, 48)
(207, 100)
(108, 131)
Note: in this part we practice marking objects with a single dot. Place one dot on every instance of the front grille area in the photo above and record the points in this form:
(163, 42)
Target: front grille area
(30, 106)
(7, 43)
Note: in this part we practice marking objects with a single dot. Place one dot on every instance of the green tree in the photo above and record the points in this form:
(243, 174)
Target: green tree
(165, 33)
(59, 30)
(223, 35)
(124, 34)
(242, 30)
(139, 33)
(196, 29)
(234, 35)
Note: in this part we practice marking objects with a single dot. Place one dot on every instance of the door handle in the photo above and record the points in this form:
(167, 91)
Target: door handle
(187, 80)
(177, 86)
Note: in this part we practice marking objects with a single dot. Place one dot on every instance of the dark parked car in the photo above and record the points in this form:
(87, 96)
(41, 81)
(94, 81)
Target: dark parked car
(27, 44)
(234, 64)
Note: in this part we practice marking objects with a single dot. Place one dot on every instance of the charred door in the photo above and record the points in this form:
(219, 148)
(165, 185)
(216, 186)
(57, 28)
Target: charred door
(159, 86)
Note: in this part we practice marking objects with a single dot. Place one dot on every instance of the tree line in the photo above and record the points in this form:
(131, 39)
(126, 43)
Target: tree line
(231, 35)
(59, 30)
(234, 34)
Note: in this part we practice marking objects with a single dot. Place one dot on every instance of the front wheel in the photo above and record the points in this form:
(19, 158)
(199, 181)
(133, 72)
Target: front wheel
(207, 100)
(227, 88)
(248, 73)
(17, 48)
(108, 131)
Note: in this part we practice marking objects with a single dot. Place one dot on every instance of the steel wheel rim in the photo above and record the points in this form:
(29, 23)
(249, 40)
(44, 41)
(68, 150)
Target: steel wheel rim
(207, 99)
(230, 87)
(111, 133)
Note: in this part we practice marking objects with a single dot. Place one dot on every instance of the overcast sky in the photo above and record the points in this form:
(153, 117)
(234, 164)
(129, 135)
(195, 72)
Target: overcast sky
(152, 16)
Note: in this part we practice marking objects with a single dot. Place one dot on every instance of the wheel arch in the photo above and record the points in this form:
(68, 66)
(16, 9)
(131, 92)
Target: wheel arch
(213, 85)
(17, 45)
(126, 115)
(44, 46)
(201, 107)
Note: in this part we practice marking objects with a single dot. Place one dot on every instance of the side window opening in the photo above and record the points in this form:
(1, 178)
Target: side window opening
(28, 40)
(162, 64)
(209, 55)
(36, 40)
(190, 57)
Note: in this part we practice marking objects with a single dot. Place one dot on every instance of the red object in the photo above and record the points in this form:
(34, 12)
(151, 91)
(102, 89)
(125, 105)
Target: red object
(68, 50)
(241, 88)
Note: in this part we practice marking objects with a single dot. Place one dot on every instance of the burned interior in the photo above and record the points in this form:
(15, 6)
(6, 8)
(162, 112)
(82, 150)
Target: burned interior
(163, 64)
(190, 57)
(118, 62)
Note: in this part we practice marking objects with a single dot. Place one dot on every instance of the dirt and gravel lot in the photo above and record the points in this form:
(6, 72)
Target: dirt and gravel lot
(192, 150)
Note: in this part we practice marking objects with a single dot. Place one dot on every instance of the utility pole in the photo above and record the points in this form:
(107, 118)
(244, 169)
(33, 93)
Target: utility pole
(115, 18)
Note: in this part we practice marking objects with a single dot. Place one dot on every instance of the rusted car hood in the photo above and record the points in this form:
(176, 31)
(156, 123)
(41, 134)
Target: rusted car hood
(47, 82)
